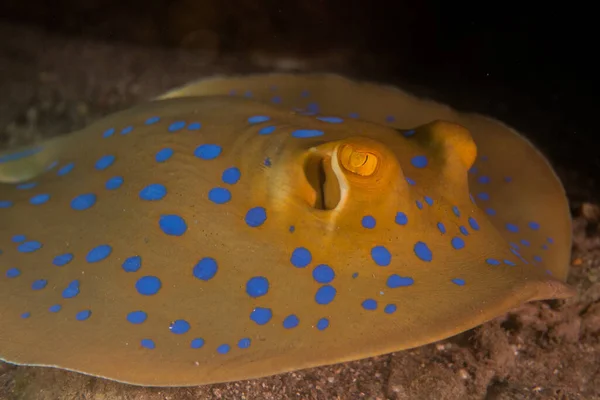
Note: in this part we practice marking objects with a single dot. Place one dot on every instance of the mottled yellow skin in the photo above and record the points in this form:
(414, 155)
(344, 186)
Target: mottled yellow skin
(322, 186)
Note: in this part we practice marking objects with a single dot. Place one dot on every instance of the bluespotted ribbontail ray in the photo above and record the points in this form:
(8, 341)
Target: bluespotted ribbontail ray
(301, 220)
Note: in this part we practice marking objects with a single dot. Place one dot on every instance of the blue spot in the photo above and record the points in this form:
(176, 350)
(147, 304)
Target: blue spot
(534, 225)
(355, 275)
(137, 317)
(490, 211)
(516, 253)
(176, 126)
(267, 130)
(301, 257)
(39, 284)
(26, 315)
(258, 119)
(390, 309)
(172, 225)
(132, 264)
(537, 259)
(456, 211)
(544, 247)
(325, 294)
(98, 253)
(255, 217)
(257, 286)
(219, 195)
(483, 179)
(492, 261)
(83, 315)
(179, 326)
(550, 240)
(65, 169)
(422, 251)
(292, 228)
(194, 126)
(291, 321)
(409, 133)
(152, 120)
(525, 243)
(483, 196)
(223, 349)
(267, 162)
(164, 154)
(419, 205)
(126, 130)
(471, 198)
(13, 273)
(206, 269)
(410, 181)
(331, 120)
(148, 343)
(83, 201)
(248, 93)
(473, 223)
(208, 151)
(381, 256)
(5, 204)
(244, 343)
(390, 118)
(507, 179)
(19, 238)
(148, 285)
(369, 304)
(307, 133)
(353, 115)
(20, 154)
(512, 228)
(29, 247)
(197, 343)
(261, 315)
(108, 133)
(276, 100)
(322, 324)
(473, 170)
(441, 228)
(401, 218)
(26, 186)
(457, 243)
(428, 200)
(508, 262)
(231, 176)
(514, 245)
(458, 281)
(114, 183)
(396, 281)
(419, 161)
(55, 308)
(323, 273)
(463, 230)
(105, 162)
(39, 199)
(152, 192)
(368, 222)
(71, 290)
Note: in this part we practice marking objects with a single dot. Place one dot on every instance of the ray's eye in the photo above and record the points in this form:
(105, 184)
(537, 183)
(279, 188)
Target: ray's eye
(357, 161)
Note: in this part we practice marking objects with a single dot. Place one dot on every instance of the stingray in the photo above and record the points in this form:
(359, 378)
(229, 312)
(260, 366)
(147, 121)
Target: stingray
(241, 227)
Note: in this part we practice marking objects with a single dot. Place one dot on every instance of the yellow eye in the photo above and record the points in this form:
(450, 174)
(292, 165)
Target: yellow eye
(358, 162)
